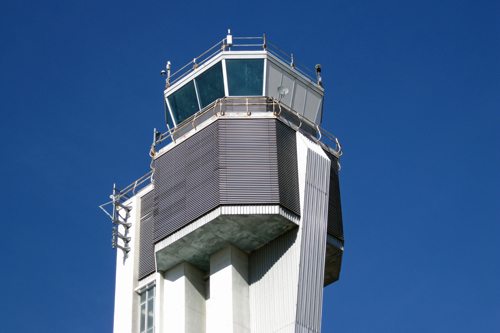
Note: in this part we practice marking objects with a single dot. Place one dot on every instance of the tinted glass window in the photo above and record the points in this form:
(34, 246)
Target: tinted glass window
(210, 85)
(183, 102)
(245, 76)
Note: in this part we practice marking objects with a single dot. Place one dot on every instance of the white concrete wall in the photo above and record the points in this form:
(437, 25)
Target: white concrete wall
(126, 300)
(183, 300)
(274, 280)
(278, 289)
(286, 275)
(228, 303)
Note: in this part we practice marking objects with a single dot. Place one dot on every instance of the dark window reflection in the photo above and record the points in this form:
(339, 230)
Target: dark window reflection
(183, 102)
(210, 85)
(245, 76)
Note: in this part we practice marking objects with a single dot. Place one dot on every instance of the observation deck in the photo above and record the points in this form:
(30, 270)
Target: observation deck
(242, 67)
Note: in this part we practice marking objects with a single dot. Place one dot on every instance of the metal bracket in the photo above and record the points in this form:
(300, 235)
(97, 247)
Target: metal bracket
(115, 213)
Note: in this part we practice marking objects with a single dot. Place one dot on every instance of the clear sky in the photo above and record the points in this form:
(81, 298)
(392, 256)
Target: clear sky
(412, 90)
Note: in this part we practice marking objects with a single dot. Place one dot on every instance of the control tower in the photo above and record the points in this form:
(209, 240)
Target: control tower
(238, 226)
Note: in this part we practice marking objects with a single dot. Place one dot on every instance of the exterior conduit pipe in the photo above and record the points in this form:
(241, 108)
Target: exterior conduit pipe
(318, 129)
(339, 146)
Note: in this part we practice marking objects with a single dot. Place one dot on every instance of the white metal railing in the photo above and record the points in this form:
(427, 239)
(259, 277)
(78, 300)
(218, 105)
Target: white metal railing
(218, 109)
(118, 211)
(233, 43)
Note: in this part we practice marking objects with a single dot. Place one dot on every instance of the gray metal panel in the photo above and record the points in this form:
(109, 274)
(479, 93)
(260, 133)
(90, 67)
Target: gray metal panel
(287, 167)
(299, 98)
(248, 162)
(202, 173)
(313, 102)
(146, 244)
(288, 82)
(147, 204)
(313, 243)
(335, 225)
(274, 77)
(230, 162)
(186, 182)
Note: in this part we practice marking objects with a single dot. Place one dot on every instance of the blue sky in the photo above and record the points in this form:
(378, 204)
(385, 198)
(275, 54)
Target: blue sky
(412, 90)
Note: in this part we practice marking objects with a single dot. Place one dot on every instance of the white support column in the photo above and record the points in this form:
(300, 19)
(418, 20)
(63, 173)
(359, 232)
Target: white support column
(126, 300)
(159, 301)
(183, 300)
(228, 306)
(287, 274)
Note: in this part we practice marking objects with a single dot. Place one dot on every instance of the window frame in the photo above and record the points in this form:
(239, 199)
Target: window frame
(223, 57)
(150, 294)
(226, 75)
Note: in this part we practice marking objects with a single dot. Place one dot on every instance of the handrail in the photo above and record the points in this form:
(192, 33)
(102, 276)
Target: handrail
(322, 138)
(260, 43)
(325, 138)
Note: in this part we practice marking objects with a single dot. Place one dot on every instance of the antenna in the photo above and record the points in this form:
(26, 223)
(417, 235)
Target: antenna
(167, 74)
(229, 38)
(318, 74)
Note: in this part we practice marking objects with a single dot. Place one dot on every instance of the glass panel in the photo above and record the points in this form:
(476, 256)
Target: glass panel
(183, 102)
(151, 292)
(143, 297)
(143, 317)
(151, 310)
(210, 85)
(245, 76)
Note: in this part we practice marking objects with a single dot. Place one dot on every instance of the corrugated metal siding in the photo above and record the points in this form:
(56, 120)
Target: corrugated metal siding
(248, 162)
(146, 244)
(230, 162)
(335, 225)
(286, 140)
(313, 243)
(273, 271)
(291, 268)
(186, 182)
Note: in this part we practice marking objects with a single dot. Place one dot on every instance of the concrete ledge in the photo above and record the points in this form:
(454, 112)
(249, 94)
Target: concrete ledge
(333, 259)
(246, 227)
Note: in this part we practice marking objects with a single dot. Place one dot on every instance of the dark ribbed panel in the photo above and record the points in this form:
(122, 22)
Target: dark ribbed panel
(335, 225)
(288, 178)
(146, 244)
(248, 162)
(186, 182)
(230, 162)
